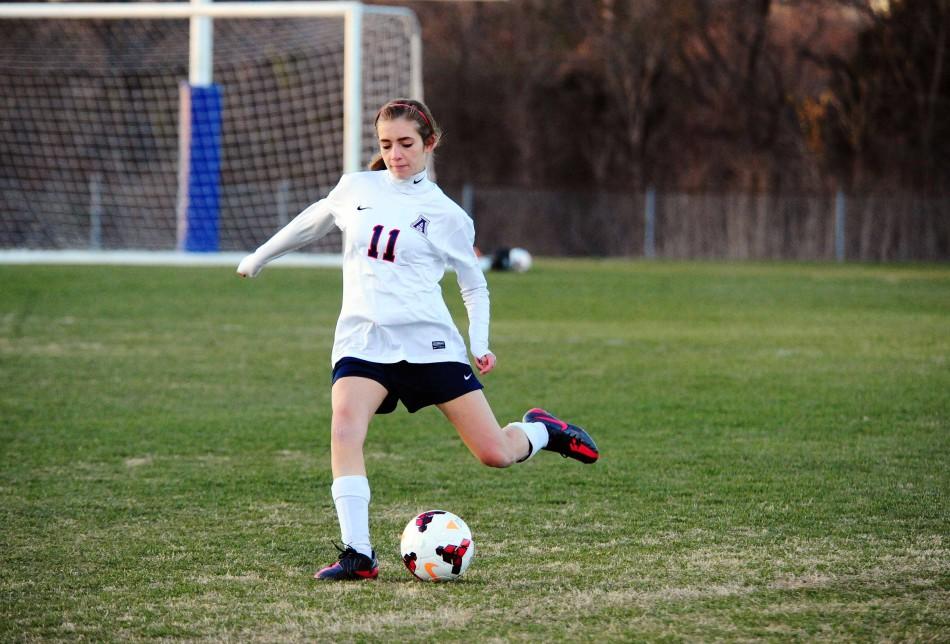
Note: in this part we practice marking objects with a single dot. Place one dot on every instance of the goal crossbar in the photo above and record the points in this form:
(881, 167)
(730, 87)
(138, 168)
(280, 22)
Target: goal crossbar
(179, 10)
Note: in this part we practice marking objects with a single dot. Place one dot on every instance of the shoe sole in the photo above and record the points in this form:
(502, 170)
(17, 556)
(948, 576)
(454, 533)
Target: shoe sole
(361, 575)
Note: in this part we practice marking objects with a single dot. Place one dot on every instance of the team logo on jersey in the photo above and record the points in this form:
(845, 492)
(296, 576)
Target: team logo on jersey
(421, 224)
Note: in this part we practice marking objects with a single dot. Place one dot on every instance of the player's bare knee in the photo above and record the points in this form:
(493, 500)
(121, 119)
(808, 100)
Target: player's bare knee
(346, 429)
(495, 457)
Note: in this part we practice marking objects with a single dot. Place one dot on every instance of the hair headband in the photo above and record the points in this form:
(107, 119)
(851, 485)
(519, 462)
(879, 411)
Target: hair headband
(411, 107)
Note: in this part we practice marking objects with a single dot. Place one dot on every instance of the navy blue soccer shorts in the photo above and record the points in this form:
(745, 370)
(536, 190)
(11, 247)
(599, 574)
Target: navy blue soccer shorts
(417, 385)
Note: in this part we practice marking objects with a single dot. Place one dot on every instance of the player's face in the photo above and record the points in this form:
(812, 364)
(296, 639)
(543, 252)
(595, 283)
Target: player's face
(401, 146)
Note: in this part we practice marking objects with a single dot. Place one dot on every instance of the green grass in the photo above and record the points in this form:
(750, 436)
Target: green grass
(775, 438)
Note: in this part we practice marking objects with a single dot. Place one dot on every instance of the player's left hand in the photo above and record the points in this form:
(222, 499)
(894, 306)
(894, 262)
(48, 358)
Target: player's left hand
(486, 363)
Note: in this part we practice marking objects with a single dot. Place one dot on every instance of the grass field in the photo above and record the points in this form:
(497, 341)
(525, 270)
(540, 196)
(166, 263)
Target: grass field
(775, 439)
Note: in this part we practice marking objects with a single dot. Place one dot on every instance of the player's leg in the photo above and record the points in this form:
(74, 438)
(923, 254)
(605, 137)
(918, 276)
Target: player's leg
(496, 447)
(355, 401)
(485, 438)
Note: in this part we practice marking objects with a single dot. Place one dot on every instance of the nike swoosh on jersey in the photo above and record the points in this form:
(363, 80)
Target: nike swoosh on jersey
(363, 207)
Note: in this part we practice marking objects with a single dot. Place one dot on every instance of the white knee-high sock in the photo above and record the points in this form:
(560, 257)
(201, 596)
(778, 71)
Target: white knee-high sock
(537, 435)
(351, 498)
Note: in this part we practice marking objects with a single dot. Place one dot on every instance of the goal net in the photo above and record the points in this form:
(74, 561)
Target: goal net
(90, 124)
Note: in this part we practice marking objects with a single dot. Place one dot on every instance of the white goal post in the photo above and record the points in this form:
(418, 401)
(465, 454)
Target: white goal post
(126, 130)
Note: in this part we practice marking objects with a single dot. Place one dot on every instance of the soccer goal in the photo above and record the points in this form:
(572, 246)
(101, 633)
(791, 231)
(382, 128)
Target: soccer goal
(122, 128)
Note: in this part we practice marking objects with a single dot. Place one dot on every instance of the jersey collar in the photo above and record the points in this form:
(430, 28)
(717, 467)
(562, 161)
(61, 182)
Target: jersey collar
(416, 184)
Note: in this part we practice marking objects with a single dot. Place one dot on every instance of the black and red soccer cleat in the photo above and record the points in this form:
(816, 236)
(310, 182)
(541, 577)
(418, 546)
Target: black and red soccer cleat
(564, 438)
(351, 565)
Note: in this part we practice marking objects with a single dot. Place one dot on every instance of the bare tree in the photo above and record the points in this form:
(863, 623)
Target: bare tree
(627, 46)
(888, 109)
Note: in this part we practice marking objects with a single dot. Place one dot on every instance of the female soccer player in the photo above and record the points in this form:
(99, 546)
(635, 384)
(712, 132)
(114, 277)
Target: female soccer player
(395, 339)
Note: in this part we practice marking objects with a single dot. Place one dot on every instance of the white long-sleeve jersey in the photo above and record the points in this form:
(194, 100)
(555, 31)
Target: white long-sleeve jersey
(398, 238)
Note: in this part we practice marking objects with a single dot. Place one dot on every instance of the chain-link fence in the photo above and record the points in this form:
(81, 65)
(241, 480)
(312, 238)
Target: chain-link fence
(892, 227)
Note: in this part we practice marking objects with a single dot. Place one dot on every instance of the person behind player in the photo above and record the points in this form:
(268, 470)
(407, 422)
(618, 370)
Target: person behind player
(395, 339)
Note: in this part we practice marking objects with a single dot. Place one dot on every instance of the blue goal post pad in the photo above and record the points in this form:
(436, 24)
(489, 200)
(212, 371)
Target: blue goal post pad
(199, 178)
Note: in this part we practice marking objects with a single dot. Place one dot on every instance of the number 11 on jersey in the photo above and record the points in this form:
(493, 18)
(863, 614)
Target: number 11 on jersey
(389, 254)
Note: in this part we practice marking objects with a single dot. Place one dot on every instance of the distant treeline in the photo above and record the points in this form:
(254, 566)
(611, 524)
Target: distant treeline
(755, 96)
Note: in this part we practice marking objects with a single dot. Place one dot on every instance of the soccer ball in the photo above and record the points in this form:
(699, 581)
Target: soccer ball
(519, 259)
(437, 546)
(506, 259)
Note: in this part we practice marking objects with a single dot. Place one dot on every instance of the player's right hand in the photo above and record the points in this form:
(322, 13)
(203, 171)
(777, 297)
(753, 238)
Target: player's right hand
(486, 363)
(249, 267)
